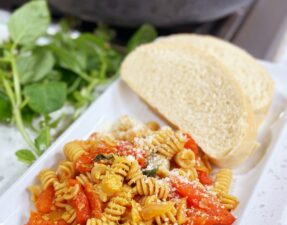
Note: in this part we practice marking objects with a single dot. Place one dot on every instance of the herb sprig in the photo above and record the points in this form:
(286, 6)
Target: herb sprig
(36, 80)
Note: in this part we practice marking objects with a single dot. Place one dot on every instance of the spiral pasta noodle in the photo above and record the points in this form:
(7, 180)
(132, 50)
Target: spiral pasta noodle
(148, 200)
(84, 178)
(167, 143)
(166, 213)
(66, 170)
(113, 181)
(181, 217)
(222, 181)
(69, 215)
(134, 174)
(98, 172)
(228, 201)
(35, 191)
(167, 218)
(121, 167)
(150, 186)
(133, 216)
(185, 159)
(63, 191)
(191, 174)
(133, 223)
(73, 150)
(117, 206)
(47, 177)
(102, 221)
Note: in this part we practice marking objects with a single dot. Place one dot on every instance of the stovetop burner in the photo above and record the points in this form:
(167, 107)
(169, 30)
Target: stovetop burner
(257, 27)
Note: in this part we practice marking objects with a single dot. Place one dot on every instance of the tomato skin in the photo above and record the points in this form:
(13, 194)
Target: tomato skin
(45, 200)
(198, 198)
(81, 205)
(199, 217)
(85, 162)
(37, 219)
(204, 178)
(191, 144)
(94, 201)
(125, 148)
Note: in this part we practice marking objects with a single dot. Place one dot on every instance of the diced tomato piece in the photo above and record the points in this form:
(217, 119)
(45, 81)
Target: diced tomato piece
(191, 144)
(81, 205)
(43, 219)
(142, 162)
(94, 200)
(85, 162)
(199, 198)
(37, 219)
(125, 148)
(199, 217)
(61, 222)
(204, 178)
(45, 200)
(73, 182)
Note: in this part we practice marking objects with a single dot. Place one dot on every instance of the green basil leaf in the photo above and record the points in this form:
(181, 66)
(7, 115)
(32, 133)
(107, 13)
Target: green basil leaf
(5, 108)
(35, 67)
(89, 42)
(100, 157)
(69, 59)
(29, 22)
(105, 33)
(26, 156)
(146, 33)
(46, 97)
(150, 173)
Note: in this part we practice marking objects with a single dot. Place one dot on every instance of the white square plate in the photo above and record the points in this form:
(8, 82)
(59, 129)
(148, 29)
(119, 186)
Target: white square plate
(259, 183)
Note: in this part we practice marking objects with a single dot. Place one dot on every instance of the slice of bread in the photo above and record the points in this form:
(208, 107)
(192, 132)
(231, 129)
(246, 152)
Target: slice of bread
(254, 80)
(198, 95)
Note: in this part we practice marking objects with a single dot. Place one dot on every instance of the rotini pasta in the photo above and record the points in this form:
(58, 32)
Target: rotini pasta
(98, 172)
(191, 174)
(35, 191)
(47, 178)
(121, 167)
(148, 200)
(229, 202)
(167, 218)
(222, 181)
(185, 159)
(133, 175)
(69, 215)
(181, 217)
(167, 143)
(66, 170)
(102, 221)
(73, 150)
(150, 186)
(160, 213)
(152, 125)
(65, 192)
(84, 178)
(133, 216)
(117, 206)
